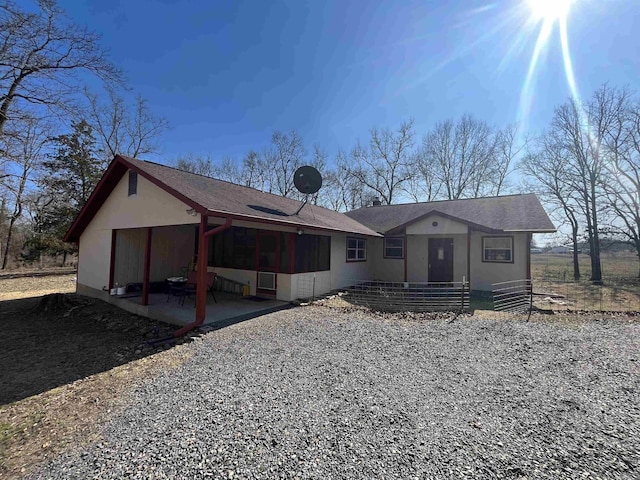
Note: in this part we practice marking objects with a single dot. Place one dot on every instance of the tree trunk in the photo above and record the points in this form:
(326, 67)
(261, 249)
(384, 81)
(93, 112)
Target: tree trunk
(576, 264)
(596, 265)
(5, 257)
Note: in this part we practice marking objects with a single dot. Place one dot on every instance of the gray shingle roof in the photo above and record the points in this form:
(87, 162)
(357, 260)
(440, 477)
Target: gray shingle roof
(509, 213)
(224, 197)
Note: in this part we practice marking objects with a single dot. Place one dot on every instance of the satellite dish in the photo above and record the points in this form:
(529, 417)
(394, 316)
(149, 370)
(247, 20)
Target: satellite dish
(307, 180)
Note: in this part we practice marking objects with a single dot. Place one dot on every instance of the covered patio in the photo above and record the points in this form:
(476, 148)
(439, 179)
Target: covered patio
(230, 308)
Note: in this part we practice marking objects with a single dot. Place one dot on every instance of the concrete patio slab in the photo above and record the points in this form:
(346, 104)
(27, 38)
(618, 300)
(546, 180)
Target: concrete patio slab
(228, 309)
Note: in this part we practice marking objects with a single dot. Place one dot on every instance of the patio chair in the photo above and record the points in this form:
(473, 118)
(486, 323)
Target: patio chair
(191, 285)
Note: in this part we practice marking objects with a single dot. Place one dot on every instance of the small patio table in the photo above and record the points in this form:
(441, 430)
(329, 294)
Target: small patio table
(176, 286)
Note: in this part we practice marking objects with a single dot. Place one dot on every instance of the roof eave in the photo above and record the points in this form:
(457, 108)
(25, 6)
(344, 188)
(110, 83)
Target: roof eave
(273, 221)
(475, 226)
(531, 230)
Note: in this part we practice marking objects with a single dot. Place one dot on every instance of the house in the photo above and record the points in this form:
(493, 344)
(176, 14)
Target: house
(481, 240)
(146, 222)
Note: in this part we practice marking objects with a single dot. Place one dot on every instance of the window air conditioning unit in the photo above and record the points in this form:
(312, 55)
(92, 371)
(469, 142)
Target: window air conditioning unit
(267, 280)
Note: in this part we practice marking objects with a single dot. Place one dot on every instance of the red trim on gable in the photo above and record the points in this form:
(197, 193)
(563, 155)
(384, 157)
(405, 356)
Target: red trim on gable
(111, 177)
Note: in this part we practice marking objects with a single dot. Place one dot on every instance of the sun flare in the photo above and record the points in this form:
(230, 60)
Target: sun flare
(549, 10)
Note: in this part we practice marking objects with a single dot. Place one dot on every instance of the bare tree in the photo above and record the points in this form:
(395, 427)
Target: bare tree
(195, 164)
(342, 191)
(26, 151)
(254, 170)
(128, 129)
(41, 57)
(463, 156)
(507, 150)
(384, 166)
(286, 155)
(426, 185)
(545, 172)
(581, 130)
(228, 170)
(621, 180)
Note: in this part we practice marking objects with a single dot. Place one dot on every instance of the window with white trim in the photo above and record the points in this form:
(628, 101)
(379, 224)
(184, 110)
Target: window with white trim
(394, 247)
(497, 249)
(356, 249)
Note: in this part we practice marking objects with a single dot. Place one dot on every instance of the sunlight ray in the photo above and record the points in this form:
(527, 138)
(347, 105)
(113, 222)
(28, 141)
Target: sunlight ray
(566, 57)
(526, 94)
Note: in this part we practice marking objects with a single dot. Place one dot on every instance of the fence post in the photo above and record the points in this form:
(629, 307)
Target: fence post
(600, 289)
(530, 282)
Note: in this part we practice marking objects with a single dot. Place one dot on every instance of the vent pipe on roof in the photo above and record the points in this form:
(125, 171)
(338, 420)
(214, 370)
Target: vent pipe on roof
(376, 202)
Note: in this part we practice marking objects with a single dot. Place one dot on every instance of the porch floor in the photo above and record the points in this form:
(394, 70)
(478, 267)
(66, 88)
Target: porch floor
(229, 309)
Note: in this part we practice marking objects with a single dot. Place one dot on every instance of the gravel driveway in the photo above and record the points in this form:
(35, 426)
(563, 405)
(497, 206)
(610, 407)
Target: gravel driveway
(318, 392)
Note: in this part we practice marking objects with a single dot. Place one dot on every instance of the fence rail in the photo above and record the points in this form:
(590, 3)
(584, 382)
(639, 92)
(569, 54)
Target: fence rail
(615, 295)
(409, 296)
(515, 296)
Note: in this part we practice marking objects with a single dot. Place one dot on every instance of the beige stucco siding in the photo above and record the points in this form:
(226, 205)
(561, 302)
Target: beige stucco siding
(151, 206)
(444, 226)
(385, 269)
(94, 258)
(345, 273)
(483, 274)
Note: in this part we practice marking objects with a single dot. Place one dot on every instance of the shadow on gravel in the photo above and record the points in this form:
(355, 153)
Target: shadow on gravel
(69, 339)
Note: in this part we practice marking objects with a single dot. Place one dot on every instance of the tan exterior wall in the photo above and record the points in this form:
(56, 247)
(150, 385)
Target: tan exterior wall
(483, 274)
(94, 258)
(385, 269)
(418, 256)
(151, 206)
(445, 227)
(345, 273)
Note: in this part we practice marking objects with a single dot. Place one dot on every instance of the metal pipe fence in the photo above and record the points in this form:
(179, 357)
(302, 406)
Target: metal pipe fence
(513, 296)
(614, 295)
(409, 296)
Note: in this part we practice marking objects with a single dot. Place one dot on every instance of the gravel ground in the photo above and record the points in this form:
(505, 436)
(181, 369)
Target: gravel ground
(317, 392)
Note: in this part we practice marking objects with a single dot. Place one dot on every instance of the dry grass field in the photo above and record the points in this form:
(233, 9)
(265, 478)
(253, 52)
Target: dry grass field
(553, 280)
(615, 267)
(65, 369)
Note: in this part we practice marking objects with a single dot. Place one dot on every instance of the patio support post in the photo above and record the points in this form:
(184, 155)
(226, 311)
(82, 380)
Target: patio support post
(201, 288)
(147, 268)
(112, 261)
(201, 275)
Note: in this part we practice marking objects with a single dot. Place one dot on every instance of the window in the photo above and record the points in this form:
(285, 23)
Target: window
(313, 253)
(356, 249)
(394, 247)
(233, 248)
(497, 249)
(133, 183)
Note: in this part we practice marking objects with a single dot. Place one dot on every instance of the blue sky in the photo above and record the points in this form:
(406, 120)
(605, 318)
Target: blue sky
(227, 73)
